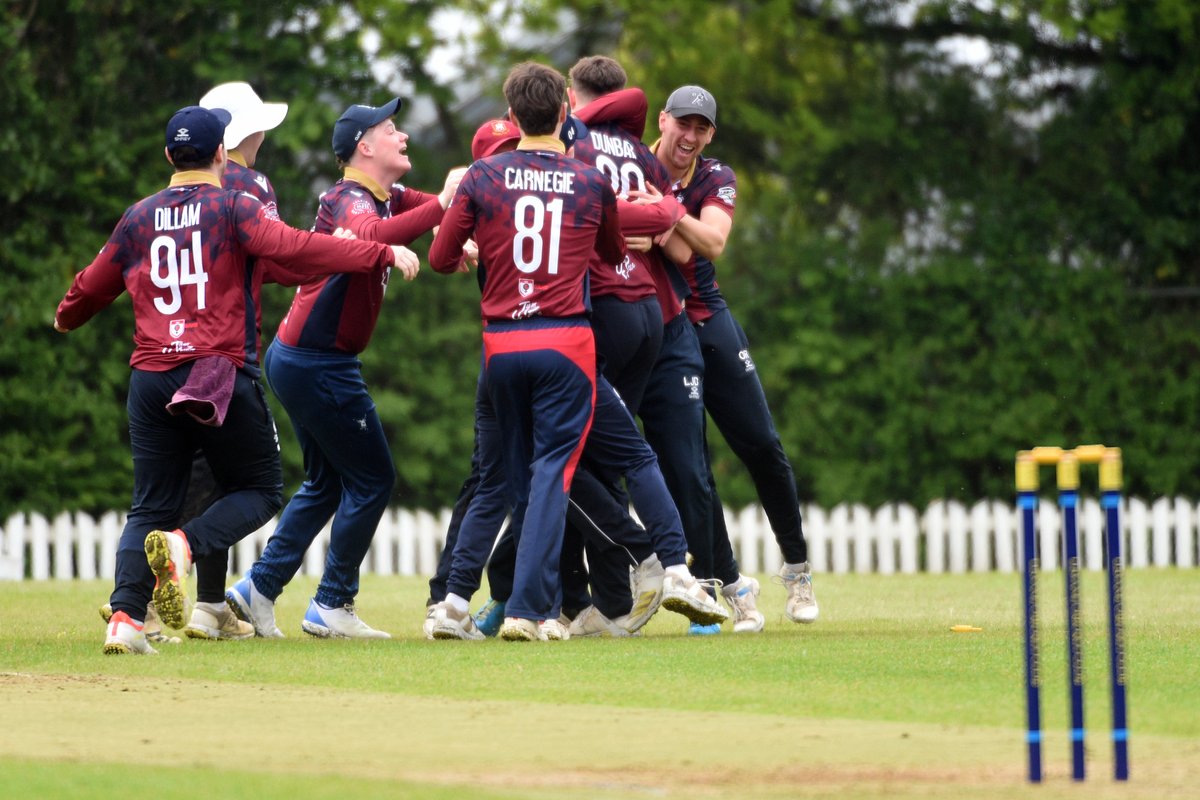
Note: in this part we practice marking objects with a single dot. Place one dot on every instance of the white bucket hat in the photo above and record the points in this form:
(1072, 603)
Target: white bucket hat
(250, 114)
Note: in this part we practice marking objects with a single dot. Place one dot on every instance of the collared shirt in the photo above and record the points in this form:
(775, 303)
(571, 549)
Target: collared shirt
(537, 217)
(184, 254)
(339, 312)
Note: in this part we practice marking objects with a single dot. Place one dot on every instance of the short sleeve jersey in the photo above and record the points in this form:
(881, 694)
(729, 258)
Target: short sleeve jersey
(629, 165)
(713, 184)
(537, 217)
(339, 312)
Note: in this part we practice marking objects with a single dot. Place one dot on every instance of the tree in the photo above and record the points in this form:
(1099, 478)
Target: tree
(938, 259)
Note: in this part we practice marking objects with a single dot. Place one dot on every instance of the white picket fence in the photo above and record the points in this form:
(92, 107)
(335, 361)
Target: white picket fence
(947, 537)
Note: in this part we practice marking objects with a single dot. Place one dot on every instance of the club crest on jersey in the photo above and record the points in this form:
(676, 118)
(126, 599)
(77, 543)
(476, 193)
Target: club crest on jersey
(362, 207)
(727, 194)
(744, 355)
(525, 286)
(176, 327)
(692, 384)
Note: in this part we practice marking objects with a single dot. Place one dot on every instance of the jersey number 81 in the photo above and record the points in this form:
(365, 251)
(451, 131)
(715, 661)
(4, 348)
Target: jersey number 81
(529, 215)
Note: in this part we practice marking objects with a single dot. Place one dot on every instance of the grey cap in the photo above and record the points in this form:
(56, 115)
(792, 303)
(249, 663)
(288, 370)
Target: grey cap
(692, 100)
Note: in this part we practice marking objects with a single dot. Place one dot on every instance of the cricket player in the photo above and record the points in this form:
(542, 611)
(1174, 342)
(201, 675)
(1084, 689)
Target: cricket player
(185, 254)
(314, 370)
(733, 393)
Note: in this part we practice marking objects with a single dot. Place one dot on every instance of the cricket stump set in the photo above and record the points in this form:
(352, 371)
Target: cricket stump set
(1066, 463)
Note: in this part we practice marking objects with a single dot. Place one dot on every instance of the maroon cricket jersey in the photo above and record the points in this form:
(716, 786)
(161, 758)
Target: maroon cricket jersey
(538, 218)
(621, 156)
(710, 183)
(624, 112)
(184, 255)
(339, 312)
(240, 178)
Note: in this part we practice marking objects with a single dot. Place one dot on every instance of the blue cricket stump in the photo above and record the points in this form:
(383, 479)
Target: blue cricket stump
(1067, 463)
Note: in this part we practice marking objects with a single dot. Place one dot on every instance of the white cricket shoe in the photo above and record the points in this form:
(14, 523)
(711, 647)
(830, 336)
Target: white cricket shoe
(802, 601)
(170, 560)
(427, 625)
(516, 629)
(251, 605)
(591, 623)
(337, 623)
(450, 623)
(553, 630)
(126, 636)
(216, 621)
(742, 598)
(646, 584)
(152, 627)
(689, 597)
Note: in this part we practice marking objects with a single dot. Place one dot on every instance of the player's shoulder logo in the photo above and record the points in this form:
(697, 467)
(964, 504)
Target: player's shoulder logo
(261, 180)
(727, 194)
(362, 206)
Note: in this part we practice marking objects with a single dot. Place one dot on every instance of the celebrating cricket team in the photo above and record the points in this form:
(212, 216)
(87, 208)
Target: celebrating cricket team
(595, 252)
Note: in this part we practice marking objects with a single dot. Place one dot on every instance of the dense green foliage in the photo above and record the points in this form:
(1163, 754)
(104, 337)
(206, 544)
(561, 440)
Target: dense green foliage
(937, 261)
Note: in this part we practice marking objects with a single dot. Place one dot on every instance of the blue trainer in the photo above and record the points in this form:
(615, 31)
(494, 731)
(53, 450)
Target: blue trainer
(326, 622)
(250, 605)
(489, 618)
(696, 629)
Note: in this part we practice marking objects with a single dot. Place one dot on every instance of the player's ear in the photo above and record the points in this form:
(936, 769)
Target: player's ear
(571, 97)
(562, 113)
(167, 154)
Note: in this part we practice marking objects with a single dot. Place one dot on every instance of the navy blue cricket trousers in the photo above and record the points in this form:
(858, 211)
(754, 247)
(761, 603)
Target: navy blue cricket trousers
(348, 470)
(614, 448)
(243, 454)
(673, 418)
(734, 398)
(541, 378)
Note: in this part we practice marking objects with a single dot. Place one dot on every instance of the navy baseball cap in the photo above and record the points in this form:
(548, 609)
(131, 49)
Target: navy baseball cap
(353, 123)
(572, 131)
(687, 100)
(200, 128)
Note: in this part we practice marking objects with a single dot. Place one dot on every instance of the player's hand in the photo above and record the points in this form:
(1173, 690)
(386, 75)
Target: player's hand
(662, 238)
(641, 244)
(470, 255)
(406, 261)
(453, 179)
(343, 233)
(642, 198)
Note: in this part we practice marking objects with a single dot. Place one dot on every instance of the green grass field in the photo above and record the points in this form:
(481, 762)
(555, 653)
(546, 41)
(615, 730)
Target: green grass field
(877, 699)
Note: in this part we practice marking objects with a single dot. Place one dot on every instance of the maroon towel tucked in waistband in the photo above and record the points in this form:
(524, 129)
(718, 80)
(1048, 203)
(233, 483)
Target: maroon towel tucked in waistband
(205, 397)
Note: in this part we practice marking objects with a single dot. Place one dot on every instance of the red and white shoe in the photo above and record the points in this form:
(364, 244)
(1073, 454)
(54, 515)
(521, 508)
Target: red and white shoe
(170, 560)
(126, 636)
